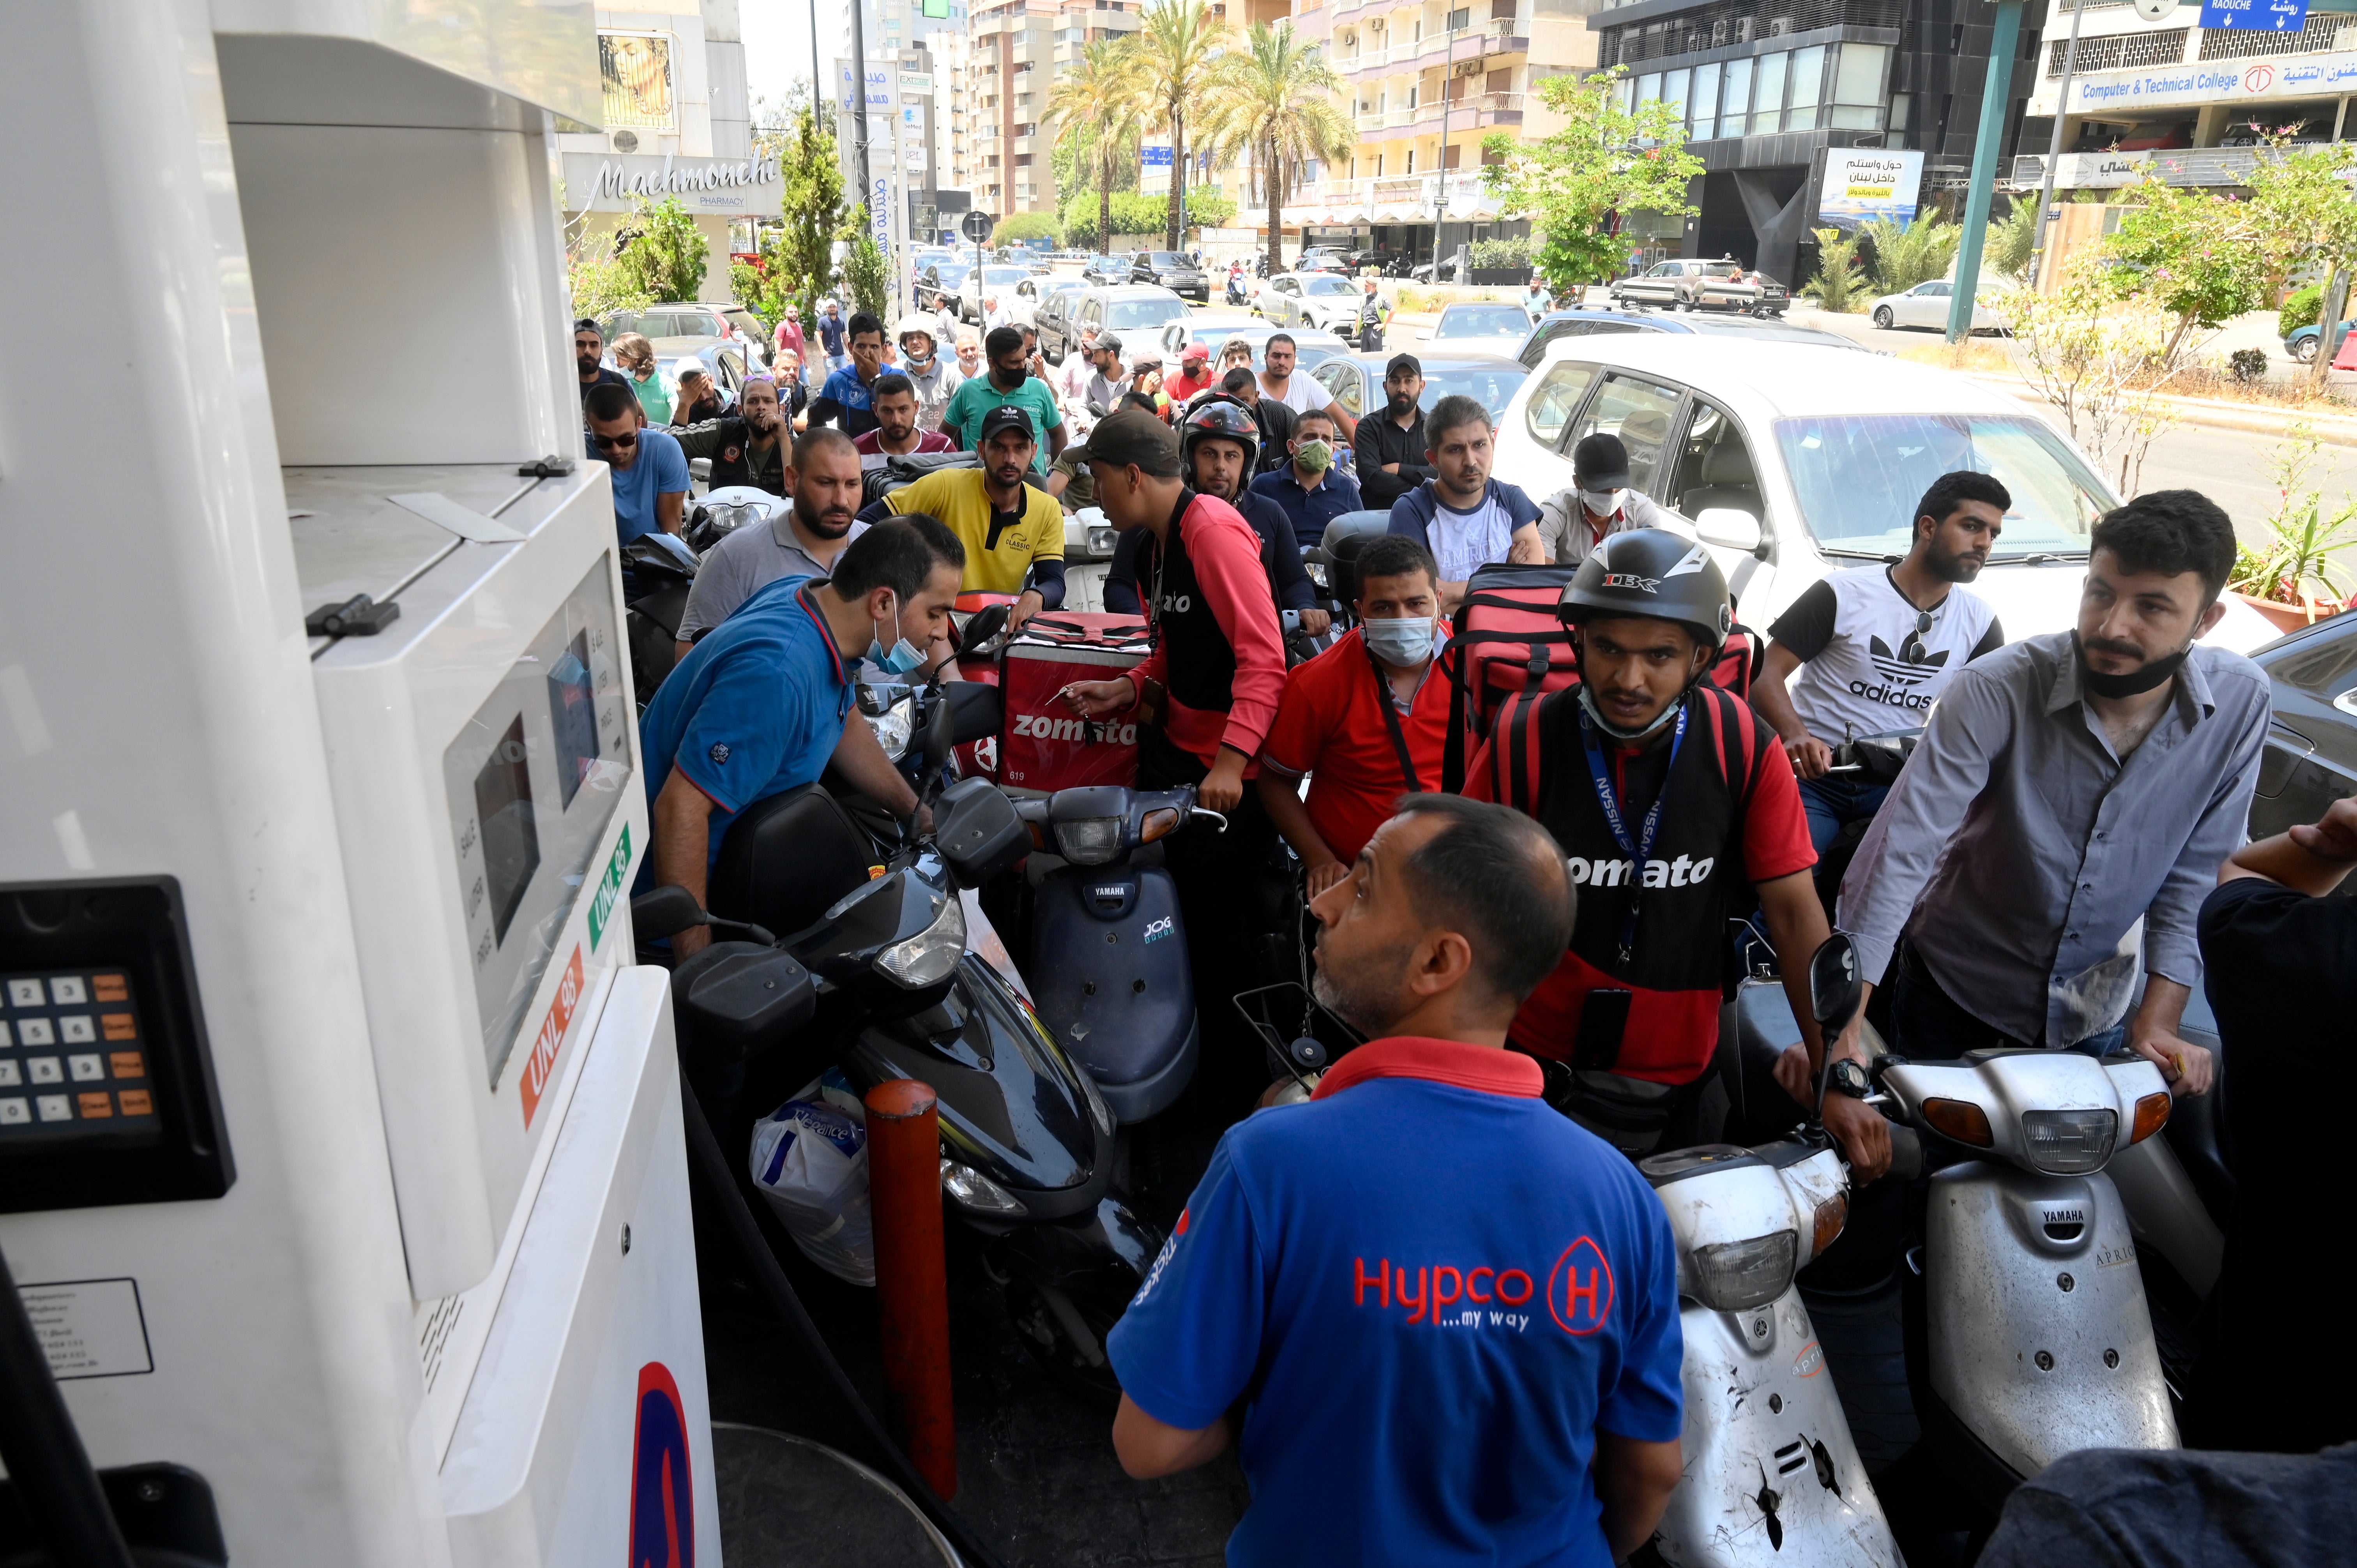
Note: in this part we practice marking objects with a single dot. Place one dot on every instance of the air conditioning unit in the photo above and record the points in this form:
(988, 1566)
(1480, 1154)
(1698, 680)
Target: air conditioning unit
(1779, 25)
(626, 142)
(1466, 68)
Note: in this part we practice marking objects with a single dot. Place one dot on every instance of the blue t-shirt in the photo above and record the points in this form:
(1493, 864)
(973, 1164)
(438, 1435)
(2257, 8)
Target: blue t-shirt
(660, 469)
(1310, 511)
(830, 333)
(754, 710)
(1434, 1290)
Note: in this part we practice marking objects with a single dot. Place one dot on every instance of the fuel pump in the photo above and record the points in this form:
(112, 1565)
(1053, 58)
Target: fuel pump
(342, 1169)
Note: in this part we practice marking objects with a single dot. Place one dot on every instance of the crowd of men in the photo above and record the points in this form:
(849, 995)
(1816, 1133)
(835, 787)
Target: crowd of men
(1537, 962)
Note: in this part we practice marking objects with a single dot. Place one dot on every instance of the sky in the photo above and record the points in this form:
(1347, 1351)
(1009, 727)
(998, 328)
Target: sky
(778, 43)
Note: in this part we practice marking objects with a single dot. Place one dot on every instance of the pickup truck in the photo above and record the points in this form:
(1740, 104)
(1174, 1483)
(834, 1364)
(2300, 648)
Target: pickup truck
(1691, 284)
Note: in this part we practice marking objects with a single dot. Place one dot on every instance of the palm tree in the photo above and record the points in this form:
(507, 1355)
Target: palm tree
(1278, 99)
(1176, 42)
(1102, 97)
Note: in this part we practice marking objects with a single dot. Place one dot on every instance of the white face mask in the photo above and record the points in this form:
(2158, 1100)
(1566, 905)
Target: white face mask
(1399, 643)
(1603, 503)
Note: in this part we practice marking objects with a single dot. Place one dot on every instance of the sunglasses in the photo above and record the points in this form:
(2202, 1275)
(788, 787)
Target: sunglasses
(608, 443)
(1912, 650)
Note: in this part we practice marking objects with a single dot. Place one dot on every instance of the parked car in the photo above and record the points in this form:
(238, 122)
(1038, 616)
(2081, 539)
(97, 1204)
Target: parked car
(1926, 304)
(1320, 258)
(1016, 289)
(1791, 461)
(1174, 271)
(2310, 759)
(1356, 380)
(680, 324)
(1215, 331)
(1560, 324)
(1322, 302)
(1442, 269)
(1140, 308)
(1497, 325)
(1105, 271)
(1689, 283)
(943, 281)
(2302, 344)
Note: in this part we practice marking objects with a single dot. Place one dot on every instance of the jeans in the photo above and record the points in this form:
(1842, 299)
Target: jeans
(1833, 803)
(1927, 1024)
(838, 362)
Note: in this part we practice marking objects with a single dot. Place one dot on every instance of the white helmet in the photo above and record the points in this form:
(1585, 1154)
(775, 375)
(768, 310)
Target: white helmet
(908, 324)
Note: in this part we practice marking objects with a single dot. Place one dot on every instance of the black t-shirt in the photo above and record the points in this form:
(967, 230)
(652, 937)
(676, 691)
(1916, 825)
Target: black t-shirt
(2281, 971)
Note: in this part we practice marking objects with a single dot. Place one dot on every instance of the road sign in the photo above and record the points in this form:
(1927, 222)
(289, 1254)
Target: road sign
(2155, 10)
(977, 225)
(2255, 16)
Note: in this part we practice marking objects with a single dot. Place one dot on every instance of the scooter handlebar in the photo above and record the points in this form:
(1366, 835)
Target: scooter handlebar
(1906, 1151)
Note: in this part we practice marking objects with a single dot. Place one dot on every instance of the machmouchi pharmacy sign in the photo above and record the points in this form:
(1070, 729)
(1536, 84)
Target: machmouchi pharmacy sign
(604, 182)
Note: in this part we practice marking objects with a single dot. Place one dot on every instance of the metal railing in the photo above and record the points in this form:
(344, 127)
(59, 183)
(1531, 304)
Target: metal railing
(2121, 51)
(2323, 35)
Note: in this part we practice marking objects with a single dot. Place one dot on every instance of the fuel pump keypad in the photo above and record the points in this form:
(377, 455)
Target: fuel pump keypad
(71, 1057)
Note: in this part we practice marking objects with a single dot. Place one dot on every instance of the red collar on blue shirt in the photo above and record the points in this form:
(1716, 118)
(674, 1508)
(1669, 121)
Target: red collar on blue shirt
(827, 635)
(1453, 1062)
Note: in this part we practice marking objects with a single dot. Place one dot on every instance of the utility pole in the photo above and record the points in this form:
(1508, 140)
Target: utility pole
(2004, 39)
(1448, 64)
(2054, 151)
(859, 99)
(818, 77)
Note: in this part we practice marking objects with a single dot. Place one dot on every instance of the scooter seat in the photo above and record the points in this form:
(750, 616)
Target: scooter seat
(1991, 1053)
(786, 859)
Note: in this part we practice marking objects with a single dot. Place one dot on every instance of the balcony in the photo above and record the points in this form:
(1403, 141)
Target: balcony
(1408, 198)
(1497, 36)
(1474, 111)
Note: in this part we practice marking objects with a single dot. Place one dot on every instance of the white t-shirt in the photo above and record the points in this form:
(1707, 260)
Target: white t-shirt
(1302, 394)
(1852, 631)
(1463, 542)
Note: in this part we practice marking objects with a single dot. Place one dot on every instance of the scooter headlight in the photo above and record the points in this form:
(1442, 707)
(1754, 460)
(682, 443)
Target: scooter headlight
(1091, 841)
(931, 955)
(976, 1193)
(894, 726)
(2069, 1143)
(1103, 541)
(1736, 1276)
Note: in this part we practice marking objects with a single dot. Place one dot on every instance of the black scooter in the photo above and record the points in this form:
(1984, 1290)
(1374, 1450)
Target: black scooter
(874, 977)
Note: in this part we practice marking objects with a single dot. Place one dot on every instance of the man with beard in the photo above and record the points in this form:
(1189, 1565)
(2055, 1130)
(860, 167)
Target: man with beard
(1877, 645)
(824, 481)
(849, 394)
(1009, 384)
(748, 447)
(1466, 519)
(588, 357)
(896, 434)
(1371, 1294)
(1391, 447)
(1013, 532)
(1301, 393)
(2051, 842)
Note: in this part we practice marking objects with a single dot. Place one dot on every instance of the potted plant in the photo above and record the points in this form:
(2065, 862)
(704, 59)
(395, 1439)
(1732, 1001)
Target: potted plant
(2292, 577)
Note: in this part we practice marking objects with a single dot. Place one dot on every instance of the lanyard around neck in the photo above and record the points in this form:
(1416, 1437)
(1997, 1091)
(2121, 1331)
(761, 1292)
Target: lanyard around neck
(1640, 852)
(1391, 717)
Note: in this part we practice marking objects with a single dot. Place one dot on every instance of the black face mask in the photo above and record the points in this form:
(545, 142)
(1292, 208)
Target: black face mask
(2129, 685)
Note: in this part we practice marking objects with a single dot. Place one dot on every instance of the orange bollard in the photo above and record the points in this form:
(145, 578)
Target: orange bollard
(913, 1291)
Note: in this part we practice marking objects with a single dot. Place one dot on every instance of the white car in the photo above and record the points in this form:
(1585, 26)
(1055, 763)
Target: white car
(1791, 462)
(1324, 302)
(1926, 304)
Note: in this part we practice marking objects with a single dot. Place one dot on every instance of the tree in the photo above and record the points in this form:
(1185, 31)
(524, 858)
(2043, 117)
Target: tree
(866, 274)
(1911, 253)
(2101, 362)
(1026, 226)
(1174, 47)
(661, 252)
(1277, 99)
(1838, 275)
(1098, 106)
(599, 287)
(814, 220)
(1605, 159)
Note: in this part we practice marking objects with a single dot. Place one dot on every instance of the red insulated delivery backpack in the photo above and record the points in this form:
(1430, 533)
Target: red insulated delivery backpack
(1043, 747)
(1507, 642)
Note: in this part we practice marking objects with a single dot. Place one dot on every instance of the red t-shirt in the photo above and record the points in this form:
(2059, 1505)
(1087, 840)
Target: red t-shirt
(871, 443)
(1330, 725)
(1183, 386)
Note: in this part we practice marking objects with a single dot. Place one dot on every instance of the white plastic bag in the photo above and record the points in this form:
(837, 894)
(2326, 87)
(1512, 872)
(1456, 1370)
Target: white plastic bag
(810, 1160)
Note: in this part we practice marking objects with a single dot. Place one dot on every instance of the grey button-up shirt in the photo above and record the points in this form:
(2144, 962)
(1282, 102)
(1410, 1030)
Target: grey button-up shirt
(2020, 854)
(747, 560)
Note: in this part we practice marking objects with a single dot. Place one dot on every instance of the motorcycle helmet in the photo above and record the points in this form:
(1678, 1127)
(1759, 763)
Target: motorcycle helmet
(1217, 418)
(1652, 573)
(924, 324)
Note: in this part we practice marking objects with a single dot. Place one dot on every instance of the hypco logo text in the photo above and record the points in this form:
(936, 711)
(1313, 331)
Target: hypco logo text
(1047, 727)
(1631, 580)
(1682, 872)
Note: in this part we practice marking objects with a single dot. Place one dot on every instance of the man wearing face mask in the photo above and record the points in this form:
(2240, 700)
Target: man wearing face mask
(1310, 490)
(1364, 721)
(2099, 775)
(759, 706)
(1574, 521)
(1674, 805)
(934, 377)
(823, 477)
(748, 447)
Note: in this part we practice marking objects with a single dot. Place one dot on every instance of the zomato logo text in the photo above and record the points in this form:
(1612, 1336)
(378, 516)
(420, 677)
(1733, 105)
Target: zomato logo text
(1047, 727)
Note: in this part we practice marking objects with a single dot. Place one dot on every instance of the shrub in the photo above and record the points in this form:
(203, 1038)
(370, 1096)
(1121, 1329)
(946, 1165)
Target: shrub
(1488, 254)
(1025, 226)
(2304, 308)
(2247, 365)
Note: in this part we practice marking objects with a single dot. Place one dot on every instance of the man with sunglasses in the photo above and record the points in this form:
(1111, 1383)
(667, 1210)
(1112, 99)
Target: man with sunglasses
(649, 471)
(1868, 652)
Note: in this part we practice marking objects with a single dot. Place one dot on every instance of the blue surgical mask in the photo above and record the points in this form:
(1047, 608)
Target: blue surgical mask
(904, 657)
(1400, 642)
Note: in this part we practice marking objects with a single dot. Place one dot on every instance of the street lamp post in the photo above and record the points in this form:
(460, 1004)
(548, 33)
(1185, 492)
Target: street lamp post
(1448, 65)
(2004, 38)
(2054, 149)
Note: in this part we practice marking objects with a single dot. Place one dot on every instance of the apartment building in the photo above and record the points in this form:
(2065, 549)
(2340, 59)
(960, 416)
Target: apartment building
(1020, 46)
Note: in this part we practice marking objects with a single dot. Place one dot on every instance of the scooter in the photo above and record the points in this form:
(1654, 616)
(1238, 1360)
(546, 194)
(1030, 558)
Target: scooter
(2036, 1339)
(660, 572)
(876, 975)
(1107, 952)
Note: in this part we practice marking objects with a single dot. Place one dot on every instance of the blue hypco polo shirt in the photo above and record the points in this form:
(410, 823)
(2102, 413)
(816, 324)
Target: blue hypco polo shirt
(1434, 1290)
(754, 710)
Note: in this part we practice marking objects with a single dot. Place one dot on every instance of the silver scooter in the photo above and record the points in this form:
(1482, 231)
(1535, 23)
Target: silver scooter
(2037, 1339)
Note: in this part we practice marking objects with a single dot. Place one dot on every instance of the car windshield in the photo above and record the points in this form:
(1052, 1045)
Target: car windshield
(1169, 259)
(1327, 283)
(1859, 477)
(1492, 386)
(1004, 275)
(1483, 321)
(954, 272)
(1125, 314)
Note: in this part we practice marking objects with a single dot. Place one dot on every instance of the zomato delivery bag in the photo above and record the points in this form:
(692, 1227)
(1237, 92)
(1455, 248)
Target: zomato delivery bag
(1044, 747)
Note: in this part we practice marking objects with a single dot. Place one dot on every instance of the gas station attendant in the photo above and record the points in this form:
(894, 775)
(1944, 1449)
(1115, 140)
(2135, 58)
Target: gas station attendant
(1450, 1313)
(758, 708)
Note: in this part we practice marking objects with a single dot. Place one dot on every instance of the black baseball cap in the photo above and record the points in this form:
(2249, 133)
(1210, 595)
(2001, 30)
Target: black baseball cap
(1007, 416)
(1600, 463)
(1130, 436)
(1404, 363)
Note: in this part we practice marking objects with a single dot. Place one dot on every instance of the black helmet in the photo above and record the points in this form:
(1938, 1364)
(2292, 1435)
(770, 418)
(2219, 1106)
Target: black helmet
(1222, 419)
(1652, 571)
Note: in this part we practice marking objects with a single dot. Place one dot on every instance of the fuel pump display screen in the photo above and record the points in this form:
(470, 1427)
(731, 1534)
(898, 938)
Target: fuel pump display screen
(533, 780)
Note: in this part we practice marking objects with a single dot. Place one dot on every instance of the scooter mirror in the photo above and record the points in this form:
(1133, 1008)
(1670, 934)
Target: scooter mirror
(987, 622)
(939, 727)
(1833, 982)
(977, 831)
(976, 711)
(665, 912)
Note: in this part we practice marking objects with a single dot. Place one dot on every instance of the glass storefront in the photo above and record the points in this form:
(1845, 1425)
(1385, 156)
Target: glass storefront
(1839, 86)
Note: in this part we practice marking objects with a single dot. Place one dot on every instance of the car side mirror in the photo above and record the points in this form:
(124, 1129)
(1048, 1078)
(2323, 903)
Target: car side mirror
(1835, 985)
(1730, 528)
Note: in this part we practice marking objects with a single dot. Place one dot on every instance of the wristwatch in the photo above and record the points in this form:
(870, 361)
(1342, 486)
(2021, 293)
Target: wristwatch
(1848, 1076)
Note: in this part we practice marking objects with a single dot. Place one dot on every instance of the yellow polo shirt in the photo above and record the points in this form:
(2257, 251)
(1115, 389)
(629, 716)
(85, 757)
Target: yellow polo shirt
(993, 565)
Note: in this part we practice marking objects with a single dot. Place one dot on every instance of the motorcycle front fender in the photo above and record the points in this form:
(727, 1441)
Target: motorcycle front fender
(1106, 1252)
